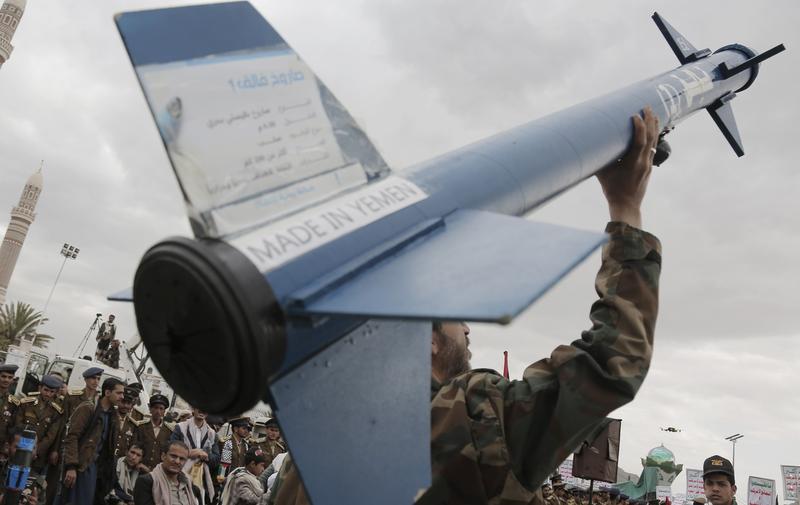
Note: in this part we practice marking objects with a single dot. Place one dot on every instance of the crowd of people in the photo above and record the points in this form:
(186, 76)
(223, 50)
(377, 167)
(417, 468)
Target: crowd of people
(91, 446)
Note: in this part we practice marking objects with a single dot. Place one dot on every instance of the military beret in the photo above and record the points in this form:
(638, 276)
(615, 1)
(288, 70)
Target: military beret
(159, 400)
(717, 464)
(52, 382)
(239, 422)
(135, 385)
(8, 368)
(92, 372)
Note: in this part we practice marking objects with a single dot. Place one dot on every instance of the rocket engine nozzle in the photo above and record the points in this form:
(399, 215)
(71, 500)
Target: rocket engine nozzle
(210, 321)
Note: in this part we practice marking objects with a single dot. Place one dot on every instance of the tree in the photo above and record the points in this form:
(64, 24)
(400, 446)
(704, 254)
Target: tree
(20, 320)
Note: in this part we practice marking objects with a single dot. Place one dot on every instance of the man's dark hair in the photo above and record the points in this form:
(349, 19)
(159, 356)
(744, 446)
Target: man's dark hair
(110, 383)
(136, 446)
(437, 326)
(179, 443)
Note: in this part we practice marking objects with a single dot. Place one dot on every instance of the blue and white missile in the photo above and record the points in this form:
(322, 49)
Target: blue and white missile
(315, 270)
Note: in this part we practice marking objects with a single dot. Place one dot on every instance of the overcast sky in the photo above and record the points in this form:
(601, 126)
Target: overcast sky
(423, 78)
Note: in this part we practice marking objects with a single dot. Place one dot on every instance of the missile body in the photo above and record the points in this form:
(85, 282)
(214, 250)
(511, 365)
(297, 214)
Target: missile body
(322, 309)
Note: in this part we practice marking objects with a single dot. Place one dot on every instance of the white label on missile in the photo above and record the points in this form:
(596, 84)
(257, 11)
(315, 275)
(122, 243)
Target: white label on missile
(277, 243)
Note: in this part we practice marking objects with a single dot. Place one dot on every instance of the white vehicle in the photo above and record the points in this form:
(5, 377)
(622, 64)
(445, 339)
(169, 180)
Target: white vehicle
(35, 363)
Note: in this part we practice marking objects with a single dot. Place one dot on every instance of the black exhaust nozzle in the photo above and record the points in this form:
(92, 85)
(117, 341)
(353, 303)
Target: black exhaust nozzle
(210, 322)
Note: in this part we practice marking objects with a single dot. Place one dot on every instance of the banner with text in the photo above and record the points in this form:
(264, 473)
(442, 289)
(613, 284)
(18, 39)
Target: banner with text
(791, 479)
(760, 491)
(694, 484)
(565, 470)
(663, 492)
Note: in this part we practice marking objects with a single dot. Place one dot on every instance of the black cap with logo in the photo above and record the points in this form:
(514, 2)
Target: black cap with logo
(718, 464)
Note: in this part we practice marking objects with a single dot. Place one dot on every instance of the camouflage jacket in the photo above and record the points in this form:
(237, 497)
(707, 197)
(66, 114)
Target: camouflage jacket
(493, 441)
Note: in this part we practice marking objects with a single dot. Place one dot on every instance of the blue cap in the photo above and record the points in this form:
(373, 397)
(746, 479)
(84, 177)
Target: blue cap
(51, 382)
(8, 368)
(93, 371)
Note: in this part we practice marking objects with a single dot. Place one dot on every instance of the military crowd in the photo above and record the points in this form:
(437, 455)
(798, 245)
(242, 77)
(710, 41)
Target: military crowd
(557, 492)
(91, 446)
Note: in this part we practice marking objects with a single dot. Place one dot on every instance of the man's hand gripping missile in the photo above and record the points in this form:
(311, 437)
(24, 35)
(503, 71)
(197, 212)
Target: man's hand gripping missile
(624, 183)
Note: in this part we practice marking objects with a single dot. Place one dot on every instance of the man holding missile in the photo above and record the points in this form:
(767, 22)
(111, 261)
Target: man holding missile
(495, 441)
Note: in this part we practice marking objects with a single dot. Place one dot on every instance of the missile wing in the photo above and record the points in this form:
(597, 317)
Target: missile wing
(315, 269)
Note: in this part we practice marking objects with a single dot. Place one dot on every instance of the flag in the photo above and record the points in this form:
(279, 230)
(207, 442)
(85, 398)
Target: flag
(505, 364)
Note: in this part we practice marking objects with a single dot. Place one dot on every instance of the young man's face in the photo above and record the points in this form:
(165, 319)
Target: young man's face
(273, 433)
(718, 489)
(242, 431)
(134, 457)
(198, 414)
(92, 383)
(173, 460)
(256, 468)
(6, 378)
(116, 395)
(46, 393)
(125, 406)
(157, 411)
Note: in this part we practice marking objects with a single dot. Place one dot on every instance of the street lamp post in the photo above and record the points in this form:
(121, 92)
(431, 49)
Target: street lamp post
(69, 252)
(732, 439)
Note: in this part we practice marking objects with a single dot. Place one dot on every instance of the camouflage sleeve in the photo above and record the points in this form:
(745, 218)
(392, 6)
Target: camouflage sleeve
(561, 399)
(287, 488)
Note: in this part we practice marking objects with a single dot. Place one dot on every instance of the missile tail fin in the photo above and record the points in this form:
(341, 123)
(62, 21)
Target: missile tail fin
(362, 404)
(125, 295)
(682, 48)
(252, 133)
(722, 114)
(475, 266)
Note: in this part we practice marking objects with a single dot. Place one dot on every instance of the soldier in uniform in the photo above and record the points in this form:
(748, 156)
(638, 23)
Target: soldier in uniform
(234, 446)
(494, 440)
(8, 407)
(560, 490)
(126, 426)
(135, 414)
(274, 444)
(153, 434)
(91, 378)
(43, 414)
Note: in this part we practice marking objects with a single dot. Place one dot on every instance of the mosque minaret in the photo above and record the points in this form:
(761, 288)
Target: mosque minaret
(10, 16)
(21, 218)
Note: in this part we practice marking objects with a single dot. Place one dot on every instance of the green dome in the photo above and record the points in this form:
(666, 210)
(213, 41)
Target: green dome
(661, 455)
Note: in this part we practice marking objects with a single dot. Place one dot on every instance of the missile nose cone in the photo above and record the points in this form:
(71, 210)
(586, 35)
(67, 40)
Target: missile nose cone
(210, 323)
